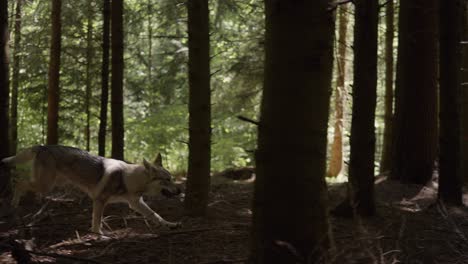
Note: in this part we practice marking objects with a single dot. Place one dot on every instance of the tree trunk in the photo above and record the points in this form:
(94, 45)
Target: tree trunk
(198, 179)
(415, 127)
(117, 80)
(89, 62)
(450, 178)
(385, 162)
(336, 155)
(290, 220)
(362, 141)
(104, 78)
(15, 79)
(465, 95)
(54, 75)
(5, 189)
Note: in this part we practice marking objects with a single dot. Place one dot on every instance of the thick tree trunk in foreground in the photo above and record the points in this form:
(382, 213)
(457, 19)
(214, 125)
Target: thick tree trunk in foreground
(198, 179)
(15, 79)
(450, 178)
(104, 78)
(5, 189)
(289, 207)
(362, 141)
(336, 155)
(415, 127)
(385, 162)
(54, 75)
(117, 80)
(465, 95)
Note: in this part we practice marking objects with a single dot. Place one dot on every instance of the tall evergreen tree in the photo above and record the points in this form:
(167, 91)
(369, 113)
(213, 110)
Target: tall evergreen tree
(415, 127)
(389, 64)
(54, 74)
(336, 155)
(117, 79)
(290, 221)
(104, 78)
(15, 78)
(198, 179)
(4, 98)
(450, 178)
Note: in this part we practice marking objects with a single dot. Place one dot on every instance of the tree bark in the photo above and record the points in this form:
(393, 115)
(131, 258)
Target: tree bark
(5, 189)
(54, 75)
(336, 155)
(198, 179)
(450, 141)
(117, 80)
(104, 78)
(415, 127)
(290, 220)
(385, 162)
(15, 79)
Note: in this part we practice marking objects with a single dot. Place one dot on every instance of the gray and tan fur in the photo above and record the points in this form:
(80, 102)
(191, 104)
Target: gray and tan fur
(104, 180)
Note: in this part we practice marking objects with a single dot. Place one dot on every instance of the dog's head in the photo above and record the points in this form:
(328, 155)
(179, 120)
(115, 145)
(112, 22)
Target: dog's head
(160, 180)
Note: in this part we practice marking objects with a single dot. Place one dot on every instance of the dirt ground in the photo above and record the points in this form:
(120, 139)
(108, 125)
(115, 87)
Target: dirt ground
(410, 228)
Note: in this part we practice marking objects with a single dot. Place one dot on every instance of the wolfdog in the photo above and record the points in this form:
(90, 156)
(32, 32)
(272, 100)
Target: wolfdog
(104, 180)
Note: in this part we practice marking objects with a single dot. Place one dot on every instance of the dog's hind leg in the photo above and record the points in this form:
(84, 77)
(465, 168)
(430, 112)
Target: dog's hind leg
(98, 209)
(141, 207)
(43, 176)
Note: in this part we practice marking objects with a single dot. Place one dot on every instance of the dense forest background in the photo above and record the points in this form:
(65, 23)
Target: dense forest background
(156, 86)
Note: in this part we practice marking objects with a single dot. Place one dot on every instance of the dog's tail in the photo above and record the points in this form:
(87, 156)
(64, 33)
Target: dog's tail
(23, 156)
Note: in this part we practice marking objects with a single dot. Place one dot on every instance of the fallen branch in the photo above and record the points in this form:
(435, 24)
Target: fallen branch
(25, 252)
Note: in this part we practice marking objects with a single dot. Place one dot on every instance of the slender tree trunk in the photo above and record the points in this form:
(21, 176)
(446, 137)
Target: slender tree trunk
(450, 178)
(415, 127)
(104, 78)
(15, 79)
(336, 155)
(389, 36)
(465, 95)
(198, 179)
(117, 80)
(5, 189)
(54, 75)
(150, 43)
(290, 220)
(89, 62)
(362, 141)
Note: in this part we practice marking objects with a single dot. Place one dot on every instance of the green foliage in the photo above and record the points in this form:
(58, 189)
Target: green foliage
(155, 84)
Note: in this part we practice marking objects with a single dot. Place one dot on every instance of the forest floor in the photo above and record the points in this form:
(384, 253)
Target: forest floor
(410, 228)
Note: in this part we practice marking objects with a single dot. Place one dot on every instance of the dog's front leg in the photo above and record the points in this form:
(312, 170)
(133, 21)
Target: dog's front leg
(141, 207)
(98, 208)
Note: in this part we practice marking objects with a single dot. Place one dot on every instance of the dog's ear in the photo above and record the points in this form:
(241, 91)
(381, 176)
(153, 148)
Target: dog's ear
(158, 160)
(146, 164)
